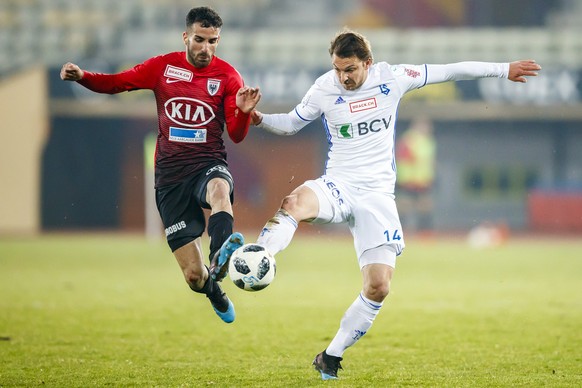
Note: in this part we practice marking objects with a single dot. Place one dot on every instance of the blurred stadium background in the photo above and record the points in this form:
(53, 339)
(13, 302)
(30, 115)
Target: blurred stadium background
(508, 154)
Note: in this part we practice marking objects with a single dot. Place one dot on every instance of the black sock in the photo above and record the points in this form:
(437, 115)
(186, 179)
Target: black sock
(219, 229)
(213, 292)
(208, 288)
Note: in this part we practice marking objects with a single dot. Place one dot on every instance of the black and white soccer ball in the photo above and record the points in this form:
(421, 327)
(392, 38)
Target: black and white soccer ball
(251, 267)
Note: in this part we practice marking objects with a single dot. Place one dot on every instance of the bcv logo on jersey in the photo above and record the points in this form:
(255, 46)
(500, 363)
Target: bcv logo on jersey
(188, 112)
(348, 130)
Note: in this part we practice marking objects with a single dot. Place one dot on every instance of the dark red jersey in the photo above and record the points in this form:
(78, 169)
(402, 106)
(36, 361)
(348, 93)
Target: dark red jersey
(194, 104)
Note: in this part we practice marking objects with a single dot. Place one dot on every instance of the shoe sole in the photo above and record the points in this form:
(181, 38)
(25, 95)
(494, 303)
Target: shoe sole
(325, 376)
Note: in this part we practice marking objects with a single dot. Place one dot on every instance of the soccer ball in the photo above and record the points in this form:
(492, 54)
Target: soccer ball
(251, 267)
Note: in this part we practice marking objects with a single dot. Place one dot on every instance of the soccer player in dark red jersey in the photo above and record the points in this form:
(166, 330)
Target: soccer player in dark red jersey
(197, 94)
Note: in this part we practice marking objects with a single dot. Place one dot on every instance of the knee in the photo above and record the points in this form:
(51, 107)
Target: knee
(218, 188)
(218, 193)
(289, 203)
(377, 290)
(195, 278)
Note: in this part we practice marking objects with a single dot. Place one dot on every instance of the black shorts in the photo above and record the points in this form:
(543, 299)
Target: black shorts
(180, 205)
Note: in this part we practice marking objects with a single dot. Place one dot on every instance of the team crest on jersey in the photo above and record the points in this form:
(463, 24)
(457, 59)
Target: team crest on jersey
(212, 86)
(384, 89)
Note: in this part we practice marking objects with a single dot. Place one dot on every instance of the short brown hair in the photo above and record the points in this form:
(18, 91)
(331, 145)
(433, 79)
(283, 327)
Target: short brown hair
(348, 43)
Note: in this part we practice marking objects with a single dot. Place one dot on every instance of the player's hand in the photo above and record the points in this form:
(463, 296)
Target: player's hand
(247, 98)
(256, 117)
(71, 72)
(519, 70)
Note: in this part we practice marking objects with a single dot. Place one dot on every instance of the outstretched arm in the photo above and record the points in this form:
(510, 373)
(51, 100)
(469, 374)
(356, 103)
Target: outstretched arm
(290, 123)
(138, 77)
(515, 71)
(284, 124)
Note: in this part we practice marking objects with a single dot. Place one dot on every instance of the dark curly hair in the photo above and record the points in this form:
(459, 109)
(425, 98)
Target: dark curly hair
(206, 16)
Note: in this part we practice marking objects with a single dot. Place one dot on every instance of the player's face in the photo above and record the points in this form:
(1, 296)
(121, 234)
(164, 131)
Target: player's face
(201, 44)
(351, 72)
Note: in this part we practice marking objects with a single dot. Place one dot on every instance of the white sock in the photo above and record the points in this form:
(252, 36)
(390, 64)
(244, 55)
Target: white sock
(354, 324)
(278, 232)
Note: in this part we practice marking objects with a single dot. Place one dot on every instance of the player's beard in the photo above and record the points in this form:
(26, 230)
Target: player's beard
(200, 59)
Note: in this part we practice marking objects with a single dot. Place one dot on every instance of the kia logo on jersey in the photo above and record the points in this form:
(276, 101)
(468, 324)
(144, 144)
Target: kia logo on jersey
(188, 112)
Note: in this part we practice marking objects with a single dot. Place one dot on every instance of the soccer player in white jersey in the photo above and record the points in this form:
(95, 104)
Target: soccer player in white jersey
(357, 101)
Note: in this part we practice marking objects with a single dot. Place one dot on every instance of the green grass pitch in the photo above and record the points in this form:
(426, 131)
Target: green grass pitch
(104, 310)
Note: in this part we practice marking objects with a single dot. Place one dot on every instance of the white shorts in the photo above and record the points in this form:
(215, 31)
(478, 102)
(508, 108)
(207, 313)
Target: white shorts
(372, 218)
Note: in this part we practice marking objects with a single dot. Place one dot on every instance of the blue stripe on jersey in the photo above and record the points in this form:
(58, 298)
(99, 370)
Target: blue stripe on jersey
(329, 142)
(394, 150)
(394, 137)
(298, 115)
(425, 75)
(371, 305)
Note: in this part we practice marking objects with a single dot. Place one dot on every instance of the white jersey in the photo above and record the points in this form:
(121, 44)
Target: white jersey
(360, 123)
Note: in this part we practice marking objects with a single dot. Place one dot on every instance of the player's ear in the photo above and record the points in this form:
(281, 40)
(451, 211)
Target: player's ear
(185, 37)
(368, 63)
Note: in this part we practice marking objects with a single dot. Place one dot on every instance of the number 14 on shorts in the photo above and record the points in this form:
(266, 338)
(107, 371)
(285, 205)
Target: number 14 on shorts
(392, 236)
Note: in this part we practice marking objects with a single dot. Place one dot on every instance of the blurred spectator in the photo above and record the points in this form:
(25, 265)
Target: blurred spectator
(415, 157)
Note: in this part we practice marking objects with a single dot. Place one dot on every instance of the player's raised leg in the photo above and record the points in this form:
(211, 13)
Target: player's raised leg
(301, 205)
(223, 242)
